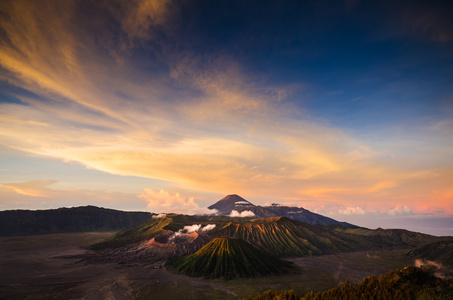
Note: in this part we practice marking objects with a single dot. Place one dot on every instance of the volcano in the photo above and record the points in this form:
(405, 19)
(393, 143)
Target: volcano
(234, 202)
(231, 202)
(229, 258)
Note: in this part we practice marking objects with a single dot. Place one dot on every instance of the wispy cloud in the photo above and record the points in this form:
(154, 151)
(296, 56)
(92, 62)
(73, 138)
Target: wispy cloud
(128, 99)
(41, 194)
(35, 188)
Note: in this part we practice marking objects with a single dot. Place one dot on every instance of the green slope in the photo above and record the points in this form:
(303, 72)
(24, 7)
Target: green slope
(140, 232)
(277, 236)
(284, 237)
(441, 252)
(155, 227)
(228, 258)
(390, 237)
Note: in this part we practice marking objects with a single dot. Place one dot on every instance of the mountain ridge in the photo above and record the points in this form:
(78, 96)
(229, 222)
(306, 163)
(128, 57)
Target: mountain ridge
(234, 202)
(64, 220)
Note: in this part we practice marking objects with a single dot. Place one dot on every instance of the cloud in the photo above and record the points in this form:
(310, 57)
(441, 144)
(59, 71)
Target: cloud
(441, 270)
(33, 188)
(382, 186)
(40, 194)
(352, 211)
(399, 210)
(208, 227)
(159, 216)
(166, 201)
(142, 18)
(204, 211)
(242, 214)
(191, 228)
(117, 94)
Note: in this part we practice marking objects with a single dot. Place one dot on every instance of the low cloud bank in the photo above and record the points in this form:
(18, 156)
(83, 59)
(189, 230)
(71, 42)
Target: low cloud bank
(159, 216)
(204, 211)
(242, 214)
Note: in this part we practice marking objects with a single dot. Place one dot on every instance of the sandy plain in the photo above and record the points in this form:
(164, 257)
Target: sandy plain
(50, 267)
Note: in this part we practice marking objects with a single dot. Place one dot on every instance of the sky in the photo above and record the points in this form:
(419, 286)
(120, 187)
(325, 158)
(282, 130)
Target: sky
(342, 107)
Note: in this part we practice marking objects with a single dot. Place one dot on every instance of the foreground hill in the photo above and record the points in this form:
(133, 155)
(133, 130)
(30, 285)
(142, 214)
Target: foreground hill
(440, 252)
(284, 237)
(62, 220)
(390, 237)
(408, 283)
(278, 236)
(163, 230)
(234, 202)
(228, 258)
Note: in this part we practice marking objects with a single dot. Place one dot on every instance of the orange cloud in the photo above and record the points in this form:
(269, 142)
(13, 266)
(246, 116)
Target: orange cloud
(34, 188)
(38, 194)
(168, 202)
(382, 186)
(202, 124)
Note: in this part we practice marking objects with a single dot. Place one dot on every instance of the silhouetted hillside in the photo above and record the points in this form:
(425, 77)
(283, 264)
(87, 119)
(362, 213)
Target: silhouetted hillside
(408, 283)
(284, 237)
(440, 252)
(76, 219)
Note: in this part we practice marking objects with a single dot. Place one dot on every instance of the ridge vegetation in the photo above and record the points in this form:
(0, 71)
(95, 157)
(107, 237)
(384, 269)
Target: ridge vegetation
(408, 283)
(228, 258)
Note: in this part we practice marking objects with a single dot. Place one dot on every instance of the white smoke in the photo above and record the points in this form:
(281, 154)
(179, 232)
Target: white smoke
(427, 263)
(242, 214)
(187, 230)
(439, 268)
(159, 216)
(208, 227)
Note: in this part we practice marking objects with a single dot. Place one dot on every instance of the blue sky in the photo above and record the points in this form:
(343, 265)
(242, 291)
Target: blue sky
(342, 107)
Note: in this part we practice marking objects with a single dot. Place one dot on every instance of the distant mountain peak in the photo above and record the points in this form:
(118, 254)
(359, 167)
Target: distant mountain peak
(231, 202)
(235, 202)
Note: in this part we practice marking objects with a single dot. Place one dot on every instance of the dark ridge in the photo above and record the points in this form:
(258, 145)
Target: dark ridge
(440, 252)
(408, 283)
(65, 220)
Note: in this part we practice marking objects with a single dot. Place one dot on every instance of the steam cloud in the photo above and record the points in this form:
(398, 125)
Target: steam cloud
(159, 216)
(242, 214)
(208, 227)
(440, 269)
(184, 233)
(427, 263)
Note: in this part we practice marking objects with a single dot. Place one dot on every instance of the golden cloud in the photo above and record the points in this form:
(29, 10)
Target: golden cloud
(200, 122)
